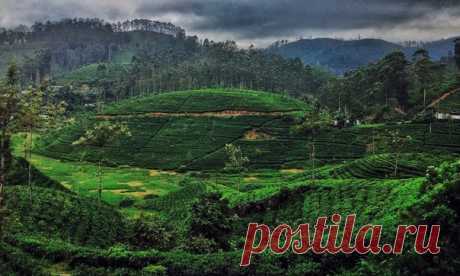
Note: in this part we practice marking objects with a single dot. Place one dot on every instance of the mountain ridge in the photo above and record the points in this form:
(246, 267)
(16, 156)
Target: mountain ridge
(340, 56)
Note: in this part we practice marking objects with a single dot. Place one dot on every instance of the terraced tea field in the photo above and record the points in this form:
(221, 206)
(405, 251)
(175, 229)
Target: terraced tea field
(188, 131)
(175, 156)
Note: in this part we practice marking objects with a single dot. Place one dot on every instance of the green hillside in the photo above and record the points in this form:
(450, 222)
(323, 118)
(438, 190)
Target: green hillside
(207, 101)
(92, 74)
(189, 130)
(132, 148)
(56, 214)
(381, 166)
(154, 182)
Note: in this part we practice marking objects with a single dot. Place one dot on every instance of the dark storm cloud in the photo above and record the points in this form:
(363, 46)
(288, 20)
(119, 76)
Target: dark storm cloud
(264, 18)
(258, 19)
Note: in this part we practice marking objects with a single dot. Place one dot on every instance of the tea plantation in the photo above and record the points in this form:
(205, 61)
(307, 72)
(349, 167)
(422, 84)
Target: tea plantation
(188, 131)
(156, 187)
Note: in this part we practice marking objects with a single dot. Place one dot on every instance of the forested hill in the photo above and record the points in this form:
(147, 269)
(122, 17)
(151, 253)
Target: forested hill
(46, 48)
(340, 56)
(88, 63)
(141, 56)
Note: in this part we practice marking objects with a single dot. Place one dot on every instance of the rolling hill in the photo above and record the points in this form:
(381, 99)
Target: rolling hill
(188, 131)
(340, 56)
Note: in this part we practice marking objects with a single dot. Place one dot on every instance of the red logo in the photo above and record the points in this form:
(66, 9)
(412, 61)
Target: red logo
(283, 238)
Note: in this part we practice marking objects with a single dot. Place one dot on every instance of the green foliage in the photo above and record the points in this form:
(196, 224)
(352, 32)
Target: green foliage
(180, 140)
(236, 159)
(151, 232)
(437, 204)
(298, 201)
(13, 262)
(211, 219)
(176, 205)
(197, 142)
(102, 134)
(202, 130)
(207, 100)
(315, 120)
(52, 213)
(17, 175)
(154, 270)
(381, 166)
(390, 89)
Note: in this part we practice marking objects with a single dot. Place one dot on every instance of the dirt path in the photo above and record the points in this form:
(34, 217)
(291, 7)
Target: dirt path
(224, 113)
(443, 97)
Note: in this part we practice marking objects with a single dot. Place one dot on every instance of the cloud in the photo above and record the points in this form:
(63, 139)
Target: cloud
(260, 20)
(260, 17)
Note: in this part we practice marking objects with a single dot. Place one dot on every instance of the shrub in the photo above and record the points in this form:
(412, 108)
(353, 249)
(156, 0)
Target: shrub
(126, 202)
(154, 270)
(150, 231)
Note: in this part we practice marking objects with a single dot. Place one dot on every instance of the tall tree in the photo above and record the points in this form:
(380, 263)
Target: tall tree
(457, 52)
(236, 160)
(101, 135)
(394, 142)
(313, 121)
(38, 113)
(394, 78)
(10, 111)
(211, 224)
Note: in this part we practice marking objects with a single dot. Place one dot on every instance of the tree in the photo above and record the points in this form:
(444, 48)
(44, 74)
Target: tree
(313, 121)
(151, 231)
(31, 120)
(10, 110)
(394, 142)
(38, 113)
(19, 110)
(422, 75)
(420, 54)
(211, 223)
(236, 160)
(101, 135)
(394, 77)
(457, 52)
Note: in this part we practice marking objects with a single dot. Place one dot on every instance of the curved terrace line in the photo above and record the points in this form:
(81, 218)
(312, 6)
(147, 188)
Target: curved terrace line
(224, 113)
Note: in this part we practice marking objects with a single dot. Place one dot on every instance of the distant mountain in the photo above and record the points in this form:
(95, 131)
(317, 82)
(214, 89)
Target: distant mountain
(440, 48)
(340, 56)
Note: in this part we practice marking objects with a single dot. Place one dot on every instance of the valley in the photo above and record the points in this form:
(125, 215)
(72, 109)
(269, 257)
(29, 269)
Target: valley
(133, 148)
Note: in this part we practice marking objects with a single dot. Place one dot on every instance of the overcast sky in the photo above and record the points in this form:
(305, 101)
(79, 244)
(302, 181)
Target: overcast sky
(261, 21)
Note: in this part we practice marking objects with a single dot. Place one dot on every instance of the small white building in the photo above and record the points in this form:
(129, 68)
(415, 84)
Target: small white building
(447, 116)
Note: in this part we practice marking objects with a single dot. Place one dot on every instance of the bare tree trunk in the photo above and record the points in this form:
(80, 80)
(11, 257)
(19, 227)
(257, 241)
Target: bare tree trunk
(396, 164)
(313, 156)
(30, 164)
(373, 143)
(100, 182)
(3, 153)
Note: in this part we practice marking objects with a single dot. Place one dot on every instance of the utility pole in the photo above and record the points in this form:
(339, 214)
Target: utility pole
(312, 159)
(424, 98)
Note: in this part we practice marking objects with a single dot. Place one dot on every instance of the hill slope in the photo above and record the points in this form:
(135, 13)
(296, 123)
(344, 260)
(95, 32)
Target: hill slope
(190, 129)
